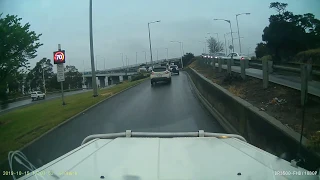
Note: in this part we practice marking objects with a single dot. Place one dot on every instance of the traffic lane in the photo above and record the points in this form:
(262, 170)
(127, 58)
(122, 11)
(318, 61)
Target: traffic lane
(29, 101)
(169, 108)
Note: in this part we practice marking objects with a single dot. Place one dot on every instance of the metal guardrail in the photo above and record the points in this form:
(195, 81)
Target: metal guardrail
(129, 134)
(274, 66)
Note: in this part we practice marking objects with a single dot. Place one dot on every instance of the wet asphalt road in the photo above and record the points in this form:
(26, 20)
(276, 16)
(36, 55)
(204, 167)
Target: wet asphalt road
(160, 108)
(26, 102)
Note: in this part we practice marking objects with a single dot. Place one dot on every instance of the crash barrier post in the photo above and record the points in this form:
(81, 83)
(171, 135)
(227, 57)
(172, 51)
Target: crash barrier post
(220, 64)
(229, 66)
(270, 66)
(232, 61)
(243, 69)
(265, 74)
(309, 72)
(304, 83)
(246, 63)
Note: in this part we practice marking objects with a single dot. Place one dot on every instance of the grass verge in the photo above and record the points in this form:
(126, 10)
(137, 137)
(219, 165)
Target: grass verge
(21, 126)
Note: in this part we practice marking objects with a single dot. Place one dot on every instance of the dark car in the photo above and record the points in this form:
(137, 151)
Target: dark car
(174, 69)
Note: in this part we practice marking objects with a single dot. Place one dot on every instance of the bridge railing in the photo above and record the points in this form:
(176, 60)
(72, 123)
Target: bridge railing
(123, 68)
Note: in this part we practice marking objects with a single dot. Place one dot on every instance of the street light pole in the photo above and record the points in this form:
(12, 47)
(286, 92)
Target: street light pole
(180, 51)
(94, 80)
(231, 36)
(238, 28)
(230, 30)
(122, 59)
(167, 52)
(150, 38)
(145, 56)
(225, 43)
(44, 81)
(126, 61)
(182, 48)
(136, 57)
(150, 42)
(157, 55)
(204, 49)
(217, 36)
(96, 63)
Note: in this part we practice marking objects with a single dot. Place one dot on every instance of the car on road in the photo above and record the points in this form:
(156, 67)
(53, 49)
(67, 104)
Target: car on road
(219, 55)
(36, 95)
(174, 69)
(160, 73)
(207, 55)
(142, 69)
(237, 56)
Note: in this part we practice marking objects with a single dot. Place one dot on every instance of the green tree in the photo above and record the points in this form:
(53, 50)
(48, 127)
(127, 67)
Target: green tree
(288, 34)
(187, 59)
(17, 44)
(261, 50)
(35, 76)
(73, 78)
(214, 45)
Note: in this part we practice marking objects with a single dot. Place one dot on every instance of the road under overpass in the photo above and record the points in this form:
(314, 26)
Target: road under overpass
(104, 80)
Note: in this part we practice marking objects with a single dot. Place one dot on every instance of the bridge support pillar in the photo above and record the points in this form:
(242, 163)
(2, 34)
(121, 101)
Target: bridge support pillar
(125, 78)
(89, 82)
(115, 79)
(102, 81)
(121, 78)
(106, 82)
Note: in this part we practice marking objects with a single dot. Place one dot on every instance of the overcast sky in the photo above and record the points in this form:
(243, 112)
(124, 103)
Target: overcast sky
(120, 26)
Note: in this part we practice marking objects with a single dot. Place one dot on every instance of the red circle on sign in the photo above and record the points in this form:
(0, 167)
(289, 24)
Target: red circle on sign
(59, 57)
(57, 54)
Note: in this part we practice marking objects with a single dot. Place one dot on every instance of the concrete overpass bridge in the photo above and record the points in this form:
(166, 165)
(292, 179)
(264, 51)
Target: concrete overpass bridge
(119, 74)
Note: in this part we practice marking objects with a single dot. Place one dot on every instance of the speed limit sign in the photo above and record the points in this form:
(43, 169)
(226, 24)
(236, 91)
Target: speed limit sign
(59, 57)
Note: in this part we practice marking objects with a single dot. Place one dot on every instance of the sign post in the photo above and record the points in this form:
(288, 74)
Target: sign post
(59, 58)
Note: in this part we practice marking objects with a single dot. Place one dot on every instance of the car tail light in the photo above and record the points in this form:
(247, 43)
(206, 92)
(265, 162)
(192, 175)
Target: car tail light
(152, 73)
(167, 72)
(242, 58)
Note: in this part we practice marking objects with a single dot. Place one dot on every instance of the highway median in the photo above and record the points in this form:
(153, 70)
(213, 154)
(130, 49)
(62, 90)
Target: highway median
(20, 127)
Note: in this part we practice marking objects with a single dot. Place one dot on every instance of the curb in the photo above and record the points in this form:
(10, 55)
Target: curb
(78, 114)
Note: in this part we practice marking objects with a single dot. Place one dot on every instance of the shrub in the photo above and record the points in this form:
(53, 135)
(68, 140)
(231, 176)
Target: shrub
(267, 57)
(314, 141)
(138, 77)
(311, 56)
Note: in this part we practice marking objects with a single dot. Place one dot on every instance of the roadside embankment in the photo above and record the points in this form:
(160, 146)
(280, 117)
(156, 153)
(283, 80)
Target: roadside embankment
(259, 128)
